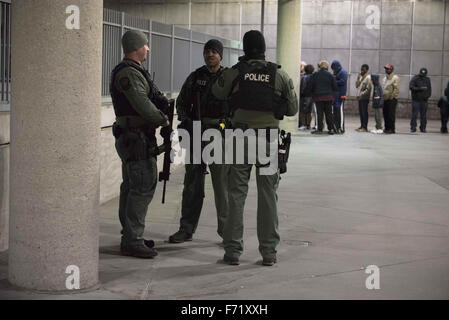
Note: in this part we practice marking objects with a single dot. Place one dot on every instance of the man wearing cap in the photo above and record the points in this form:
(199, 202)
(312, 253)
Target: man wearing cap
(364, 87)
(391, 85)
(259, 94)
(134, 97)
(195, 102)
(421, 89)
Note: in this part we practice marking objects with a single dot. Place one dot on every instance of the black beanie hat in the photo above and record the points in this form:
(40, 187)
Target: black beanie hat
(215, 45)
(133, 40)
(254, 43)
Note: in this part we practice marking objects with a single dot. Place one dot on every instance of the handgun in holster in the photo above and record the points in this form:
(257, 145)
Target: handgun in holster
(284, 150)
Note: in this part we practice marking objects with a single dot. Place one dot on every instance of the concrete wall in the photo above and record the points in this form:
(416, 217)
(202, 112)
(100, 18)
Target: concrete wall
(4, 179)
(405, 33)
(225, 18)
(408, 34)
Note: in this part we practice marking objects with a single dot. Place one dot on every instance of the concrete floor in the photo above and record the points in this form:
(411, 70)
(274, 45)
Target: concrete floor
(347, 202)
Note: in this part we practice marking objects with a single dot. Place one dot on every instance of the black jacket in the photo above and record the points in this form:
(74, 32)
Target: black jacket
(443, 103)
(322, 83)
(303, 86)
(378, 95)
(421, 88)
(446, 91)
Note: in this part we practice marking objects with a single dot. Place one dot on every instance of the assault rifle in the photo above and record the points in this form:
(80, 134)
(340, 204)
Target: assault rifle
(198, 102)
(166, 147)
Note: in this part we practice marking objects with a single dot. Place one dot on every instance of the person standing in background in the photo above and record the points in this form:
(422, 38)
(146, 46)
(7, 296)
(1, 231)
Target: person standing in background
(378, 103)
(341, 77)
(443, 104)
(364, 86)
(305, 101)
(391, 85)
(301, 124)
(421, 89)
(322, 87)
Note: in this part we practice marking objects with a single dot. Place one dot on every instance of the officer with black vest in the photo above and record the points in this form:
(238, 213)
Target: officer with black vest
(259, 94)
(135, 99)
(195, 103)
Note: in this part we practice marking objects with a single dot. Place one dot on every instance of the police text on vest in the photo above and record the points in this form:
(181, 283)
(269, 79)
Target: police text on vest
(257, 77)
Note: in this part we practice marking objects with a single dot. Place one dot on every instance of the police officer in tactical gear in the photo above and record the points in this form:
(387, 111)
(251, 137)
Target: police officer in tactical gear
(194, 103)
(134, 97)
(259, 94)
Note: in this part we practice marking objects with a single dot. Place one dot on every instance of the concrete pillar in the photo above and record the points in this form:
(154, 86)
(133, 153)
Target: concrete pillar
(289, 48)
(55, 130)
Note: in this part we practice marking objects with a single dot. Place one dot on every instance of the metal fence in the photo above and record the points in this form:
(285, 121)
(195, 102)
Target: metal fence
(5, 53)
(174, 51)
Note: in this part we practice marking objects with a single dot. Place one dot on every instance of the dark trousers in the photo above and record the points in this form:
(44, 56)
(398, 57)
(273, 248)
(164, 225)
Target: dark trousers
(324, 108)
(338, 111)
(193, 195)
(363, 111)
(305, 111)
(390, 114)
(139, 174)
(421, 108)
(136, 193)
(305, 119)
(444, 111)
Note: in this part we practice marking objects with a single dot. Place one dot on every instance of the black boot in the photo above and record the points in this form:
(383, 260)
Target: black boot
(180, 237)
(138, 251)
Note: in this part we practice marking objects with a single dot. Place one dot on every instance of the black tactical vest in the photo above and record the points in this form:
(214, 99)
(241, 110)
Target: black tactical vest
(202, 98)
(256, 87)
(122, 107)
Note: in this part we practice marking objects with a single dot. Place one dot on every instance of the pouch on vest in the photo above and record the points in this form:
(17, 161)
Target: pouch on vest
(209, 106)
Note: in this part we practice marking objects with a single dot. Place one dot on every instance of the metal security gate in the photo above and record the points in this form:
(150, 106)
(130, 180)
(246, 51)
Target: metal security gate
(174, 51)
(5, 54)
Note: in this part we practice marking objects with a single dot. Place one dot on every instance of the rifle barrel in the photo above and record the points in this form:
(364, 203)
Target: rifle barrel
(163, 192)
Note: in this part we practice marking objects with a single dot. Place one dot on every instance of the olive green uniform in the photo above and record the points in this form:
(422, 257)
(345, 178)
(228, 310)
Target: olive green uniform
(211, 112)
(137, 117)
(239, 175)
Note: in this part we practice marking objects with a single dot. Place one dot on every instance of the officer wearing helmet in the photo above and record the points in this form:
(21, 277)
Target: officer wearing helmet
(259, 94)
(421, 89)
